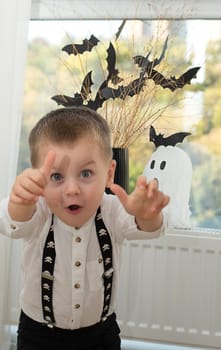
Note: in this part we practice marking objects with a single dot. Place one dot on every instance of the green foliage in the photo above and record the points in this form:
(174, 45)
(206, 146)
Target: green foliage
(139, 153)
(205, 199)
(211, 117)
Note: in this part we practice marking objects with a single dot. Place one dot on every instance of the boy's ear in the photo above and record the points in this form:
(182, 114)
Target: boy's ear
(111, 172)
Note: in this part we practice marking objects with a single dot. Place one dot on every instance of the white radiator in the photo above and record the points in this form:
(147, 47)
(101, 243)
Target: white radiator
(171, 289)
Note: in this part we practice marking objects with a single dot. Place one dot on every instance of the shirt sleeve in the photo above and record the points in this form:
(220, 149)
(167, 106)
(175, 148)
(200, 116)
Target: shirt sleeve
(18, 229)
(123, 225)
(133, 232)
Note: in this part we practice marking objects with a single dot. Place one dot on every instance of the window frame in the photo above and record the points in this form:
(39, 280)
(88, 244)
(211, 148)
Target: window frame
(128, 9)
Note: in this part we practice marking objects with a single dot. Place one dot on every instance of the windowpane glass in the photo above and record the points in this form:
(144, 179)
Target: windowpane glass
(195, 108)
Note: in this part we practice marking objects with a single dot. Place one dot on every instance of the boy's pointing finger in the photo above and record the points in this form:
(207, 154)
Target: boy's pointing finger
(48, 163)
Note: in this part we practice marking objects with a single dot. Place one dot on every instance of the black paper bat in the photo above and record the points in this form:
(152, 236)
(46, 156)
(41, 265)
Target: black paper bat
(87, 45)
(86, 86)
(122, 92)
(172, 140)
(78, 98)
(145, 64)
(111, 63)
(99, 99)
(172, 82)
(67, 101)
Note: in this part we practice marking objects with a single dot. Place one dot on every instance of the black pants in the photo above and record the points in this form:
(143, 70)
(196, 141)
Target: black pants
(33, 335)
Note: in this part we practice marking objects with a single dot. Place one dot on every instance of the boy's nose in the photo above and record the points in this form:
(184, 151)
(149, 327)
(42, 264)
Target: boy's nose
(72, 187)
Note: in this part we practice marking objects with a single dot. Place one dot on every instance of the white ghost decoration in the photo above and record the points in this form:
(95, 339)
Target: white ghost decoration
(172, 167)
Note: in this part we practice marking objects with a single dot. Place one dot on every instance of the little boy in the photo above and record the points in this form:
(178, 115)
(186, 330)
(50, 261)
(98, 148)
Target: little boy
(73, 232)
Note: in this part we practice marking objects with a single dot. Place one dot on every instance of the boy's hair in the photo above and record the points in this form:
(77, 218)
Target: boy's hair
(67, 125)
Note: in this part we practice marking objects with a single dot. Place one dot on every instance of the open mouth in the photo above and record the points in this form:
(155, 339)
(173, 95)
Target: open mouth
(73, 207)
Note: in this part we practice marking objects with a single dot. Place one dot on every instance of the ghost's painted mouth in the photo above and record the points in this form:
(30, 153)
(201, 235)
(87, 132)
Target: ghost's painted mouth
(157, 181)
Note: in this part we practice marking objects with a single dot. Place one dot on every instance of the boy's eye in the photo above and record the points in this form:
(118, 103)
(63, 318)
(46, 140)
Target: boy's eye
(56, 177)
(86, 173)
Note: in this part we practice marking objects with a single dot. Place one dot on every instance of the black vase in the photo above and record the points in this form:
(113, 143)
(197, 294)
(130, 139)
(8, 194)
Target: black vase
(121, 155)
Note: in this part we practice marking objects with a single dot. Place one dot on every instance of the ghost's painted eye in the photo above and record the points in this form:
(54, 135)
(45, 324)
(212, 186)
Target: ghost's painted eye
(162, 164)
(152, 164)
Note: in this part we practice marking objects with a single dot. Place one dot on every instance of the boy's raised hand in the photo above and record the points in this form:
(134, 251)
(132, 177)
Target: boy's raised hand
(145, 203)
(28, 187)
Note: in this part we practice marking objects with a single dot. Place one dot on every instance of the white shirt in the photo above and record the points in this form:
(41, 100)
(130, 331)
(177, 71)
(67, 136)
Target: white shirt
(78, 285)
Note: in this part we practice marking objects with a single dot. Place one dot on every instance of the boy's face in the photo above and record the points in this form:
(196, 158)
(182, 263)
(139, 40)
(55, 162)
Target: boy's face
(77, 180)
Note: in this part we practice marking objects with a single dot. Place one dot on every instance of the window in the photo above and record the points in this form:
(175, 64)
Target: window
(195, 108)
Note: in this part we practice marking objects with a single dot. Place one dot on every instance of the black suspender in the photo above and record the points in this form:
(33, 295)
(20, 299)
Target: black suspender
(48, 263)
(47, 277)
(106, 251)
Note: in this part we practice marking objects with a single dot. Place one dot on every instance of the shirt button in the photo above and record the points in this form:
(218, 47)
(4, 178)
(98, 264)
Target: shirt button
(77, 306)
(77, 263)
(100, 260)
(78, 239)
(13, 227)
(77, 285)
